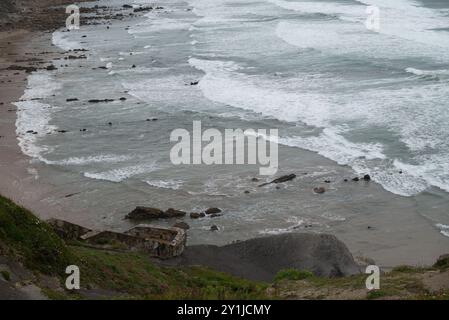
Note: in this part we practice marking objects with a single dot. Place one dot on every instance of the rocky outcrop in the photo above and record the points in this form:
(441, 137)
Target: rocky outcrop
(147, 213)
(260, 259)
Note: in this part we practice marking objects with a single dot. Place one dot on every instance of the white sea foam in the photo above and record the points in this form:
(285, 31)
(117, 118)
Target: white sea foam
(275, 100)
(444, 229)
(33, 115)
(295, 222)
(428, 73)
(159, 25)
(63, 41)
(121, 174)
(103, 158)
(166, 184)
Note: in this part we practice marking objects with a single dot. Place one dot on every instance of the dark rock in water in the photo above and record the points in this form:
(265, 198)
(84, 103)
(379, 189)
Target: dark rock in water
(194, 83)
(173, 213)
(181, 225)
(212, 211)
(327, 181)
(196, 215)
(282, 179)
(122, 99)
(246, 192)
(100, 100)
(366, 177)
(214, 228)
(400, 172)
(255, 180)
(319, 190)
(143, 9)
(262, 258)
(145, 213)
(356, 179)
(127, 6)
(345, 180)
(133, 66)
(71, 99)
(51, 68)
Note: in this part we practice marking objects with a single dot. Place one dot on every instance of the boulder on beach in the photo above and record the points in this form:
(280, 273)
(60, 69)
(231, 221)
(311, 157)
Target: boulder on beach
(261, 259)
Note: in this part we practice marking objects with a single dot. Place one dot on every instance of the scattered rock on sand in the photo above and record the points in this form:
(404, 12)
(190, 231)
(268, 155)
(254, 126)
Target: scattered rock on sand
(212, 211)
(319, 190)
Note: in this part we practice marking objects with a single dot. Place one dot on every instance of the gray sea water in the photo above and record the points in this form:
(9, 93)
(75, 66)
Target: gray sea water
(362, 102)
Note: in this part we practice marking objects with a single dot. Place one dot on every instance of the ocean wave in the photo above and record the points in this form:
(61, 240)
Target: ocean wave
(159, 25)
(121, 174)
(166, 184)
(428, 74)
(296, 224)
(79, 161)
(444, 229)
(61, 40)
(33, 116)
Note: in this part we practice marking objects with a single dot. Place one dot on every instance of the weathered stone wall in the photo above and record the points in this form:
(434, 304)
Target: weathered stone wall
(156, 241)
(67, 230)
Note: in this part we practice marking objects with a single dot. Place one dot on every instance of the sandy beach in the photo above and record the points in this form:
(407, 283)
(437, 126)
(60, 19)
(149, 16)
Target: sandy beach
(392, 234)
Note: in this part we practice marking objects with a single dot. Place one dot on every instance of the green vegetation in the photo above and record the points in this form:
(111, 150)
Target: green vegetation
(25, 235)
(112, 274)
(5, 274)
(293, 274)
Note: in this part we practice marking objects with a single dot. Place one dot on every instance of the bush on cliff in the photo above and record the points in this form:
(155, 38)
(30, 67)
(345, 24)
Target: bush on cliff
(31, 240)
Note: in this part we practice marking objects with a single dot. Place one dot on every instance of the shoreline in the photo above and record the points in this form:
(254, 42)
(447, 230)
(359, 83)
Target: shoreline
(18, 171)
